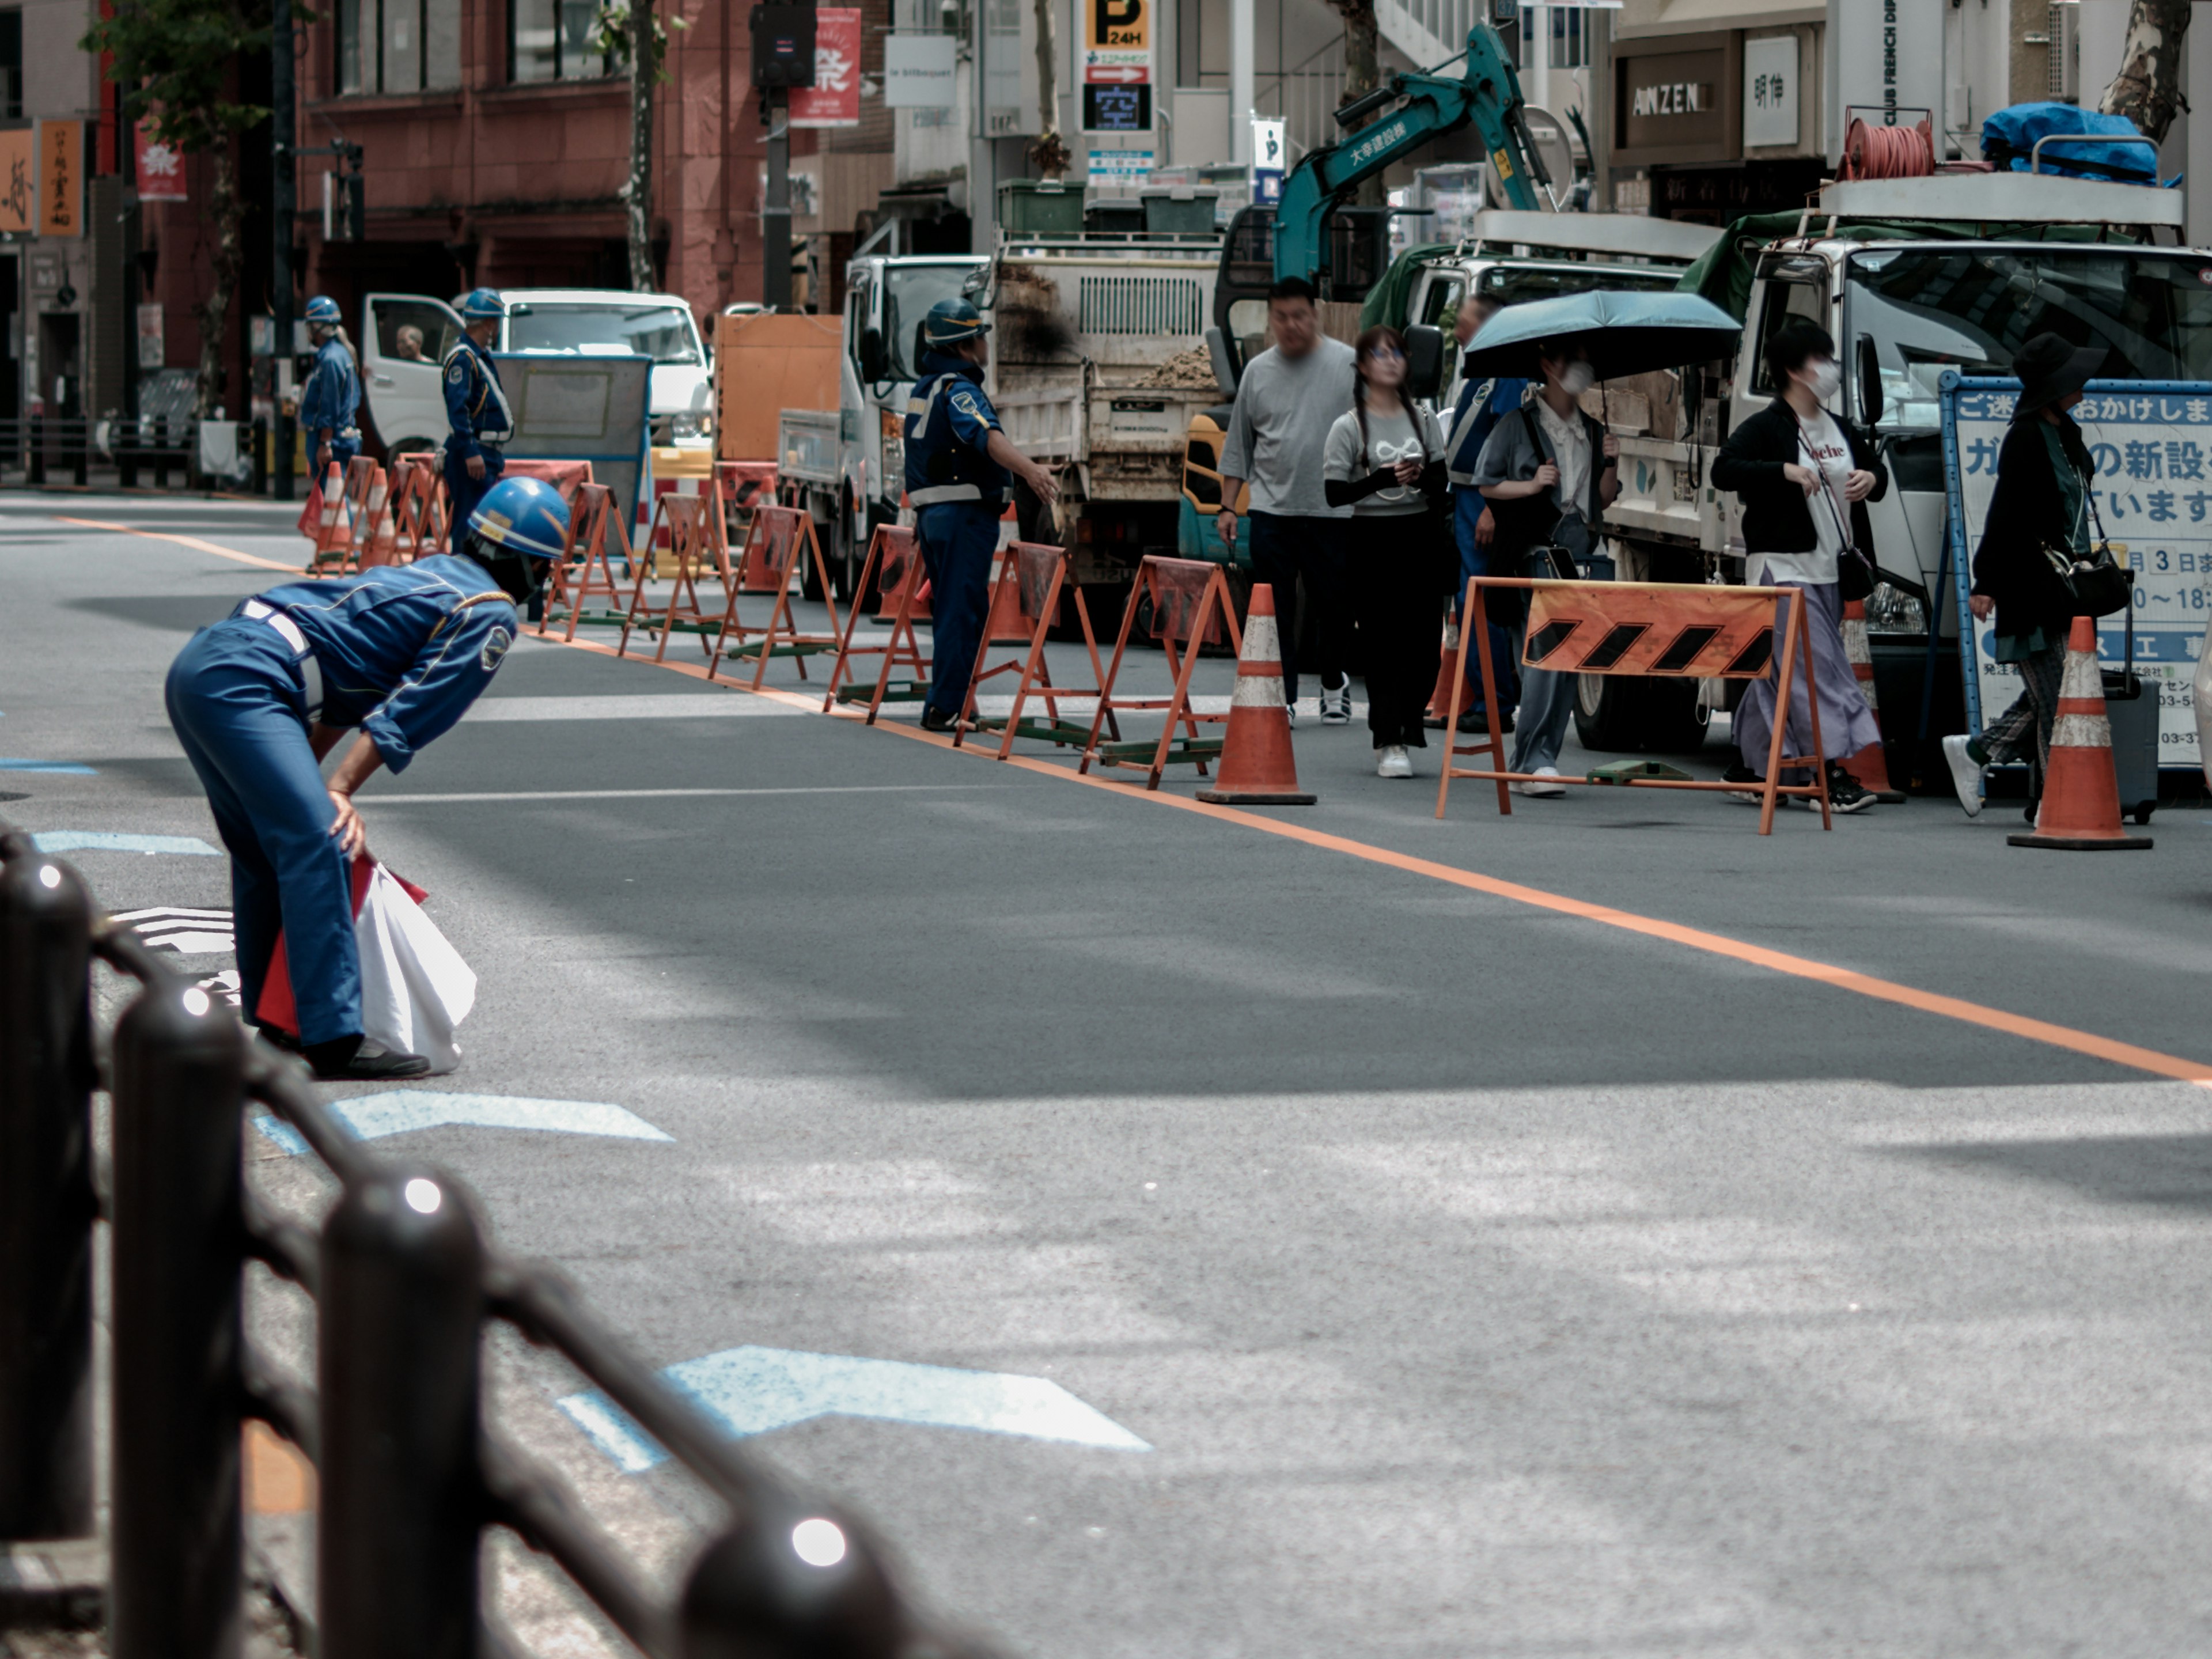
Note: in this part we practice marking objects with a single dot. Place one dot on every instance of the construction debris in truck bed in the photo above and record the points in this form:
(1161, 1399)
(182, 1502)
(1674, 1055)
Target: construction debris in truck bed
(1191, 370)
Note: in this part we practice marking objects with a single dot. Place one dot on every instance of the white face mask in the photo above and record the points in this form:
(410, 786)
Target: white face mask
(1824, 377)
(1577, 379)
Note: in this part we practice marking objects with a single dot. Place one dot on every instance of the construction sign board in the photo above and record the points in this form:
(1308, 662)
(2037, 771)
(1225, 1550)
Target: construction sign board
(2152, 442)
(1117, 65)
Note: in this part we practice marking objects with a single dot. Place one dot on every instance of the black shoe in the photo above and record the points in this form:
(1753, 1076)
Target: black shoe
(934, 718)
(357, 1060)
(1753, 784)
(1845, 795)
(1475, 723)
(277, 1037)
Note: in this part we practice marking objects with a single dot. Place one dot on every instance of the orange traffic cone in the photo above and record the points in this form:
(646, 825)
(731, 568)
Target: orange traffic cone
(2080, 809)
(1870, 767)
(1440, 699)
(1257, 768)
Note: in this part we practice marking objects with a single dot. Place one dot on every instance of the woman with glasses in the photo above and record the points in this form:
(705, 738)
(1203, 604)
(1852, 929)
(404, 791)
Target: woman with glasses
(1384, 459)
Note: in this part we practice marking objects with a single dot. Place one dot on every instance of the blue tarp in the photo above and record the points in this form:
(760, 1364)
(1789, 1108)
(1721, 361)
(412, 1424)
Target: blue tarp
(2008, 139)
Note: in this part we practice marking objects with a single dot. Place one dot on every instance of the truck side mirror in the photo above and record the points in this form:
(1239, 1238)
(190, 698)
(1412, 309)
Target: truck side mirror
(873, 363)
(1425, 360)
(1869, 383)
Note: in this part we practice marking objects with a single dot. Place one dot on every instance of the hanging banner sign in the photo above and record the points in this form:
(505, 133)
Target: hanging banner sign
(833, 100)
(919, 71)
(61, 179)
(160, 169)
(1117, 65)
(19, 173)
(2152, 441)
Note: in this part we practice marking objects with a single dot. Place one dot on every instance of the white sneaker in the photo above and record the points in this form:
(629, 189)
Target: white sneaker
(1544, 782)
(1966, 773)
(1394, 762)
(1336, 706)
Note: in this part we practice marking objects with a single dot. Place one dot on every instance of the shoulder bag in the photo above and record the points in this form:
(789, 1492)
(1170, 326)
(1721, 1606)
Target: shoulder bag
(2098, 584)
(1855, 572)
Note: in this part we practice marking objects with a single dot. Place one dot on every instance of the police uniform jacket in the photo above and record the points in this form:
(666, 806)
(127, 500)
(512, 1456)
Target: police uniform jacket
(949, 420)
(401, 651)
(476, 404)
(331, 397)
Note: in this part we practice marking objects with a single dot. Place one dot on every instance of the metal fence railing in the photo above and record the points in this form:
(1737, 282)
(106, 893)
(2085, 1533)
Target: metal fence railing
(55, 449)
(411, 1468)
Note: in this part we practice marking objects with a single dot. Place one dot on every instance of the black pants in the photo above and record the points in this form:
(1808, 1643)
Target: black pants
(1285, 547)
(1395, 596)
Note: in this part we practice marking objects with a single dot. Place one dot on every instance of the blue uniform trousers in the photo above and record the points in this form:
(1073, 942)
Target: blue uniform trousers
(1474, 561)
(343, 450)
(464, 492)
(958, 539)
(237, 707)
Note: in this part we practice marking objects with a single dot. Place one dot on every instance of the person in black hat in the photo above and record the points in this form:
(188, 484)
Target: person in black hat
(2045, 474)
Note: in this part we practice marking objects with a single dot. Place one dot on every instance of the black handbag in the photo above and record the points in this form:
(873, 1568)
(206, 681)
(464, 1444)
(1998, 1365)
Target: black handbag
(2098, 584)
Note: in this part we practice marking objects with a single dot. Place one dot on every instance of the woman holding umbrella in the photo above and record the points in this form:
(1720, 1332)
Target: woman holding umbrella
(1803, 478)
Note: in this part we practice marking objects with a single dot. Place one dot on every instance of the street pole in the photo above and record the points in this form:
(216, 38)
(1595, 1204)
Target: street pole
(282, 121)
(775, 214)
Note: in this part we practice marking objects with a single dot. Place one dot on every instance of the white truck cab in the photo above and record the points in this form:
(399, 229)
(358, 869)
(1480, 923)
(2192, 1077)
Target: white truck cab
(405, 337)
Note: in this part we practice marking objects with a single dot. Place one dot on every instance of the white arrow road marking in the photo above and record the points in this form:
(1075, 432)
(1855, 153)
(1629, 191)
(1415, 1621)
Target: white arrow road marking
(188, 932)
(372, 1117)
(751, 1390)
(97, 840)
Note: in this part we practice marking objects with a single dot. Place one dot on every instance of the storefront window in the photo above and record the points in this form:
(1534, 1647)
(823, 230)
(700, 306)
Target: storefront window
(398, 45)
(552, 41)
(11, 65)
(1571, 37)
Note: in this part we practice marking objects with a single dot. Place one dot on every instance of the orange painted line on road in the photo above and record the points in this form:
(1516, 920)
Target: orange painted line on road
(192, 542)
(1719, 945)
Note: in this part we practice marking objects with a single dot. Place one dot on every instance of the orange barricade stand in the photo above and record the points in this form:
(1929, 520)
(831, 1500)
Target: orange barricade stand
(779, 537)
(584, 572)
(691, 549)
(419, 527)
(369, 526)
(1032, 579)
(335, 553)
(1653, 629)
(895, 560)
(743, 489)
(1192, 608)
(319, 518)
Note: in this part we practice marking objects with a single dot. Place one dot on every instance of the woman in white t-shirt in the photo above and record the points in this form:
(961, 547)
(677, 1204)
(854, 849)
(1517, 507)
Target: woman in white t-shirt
(1803, 478)
(1384, 459)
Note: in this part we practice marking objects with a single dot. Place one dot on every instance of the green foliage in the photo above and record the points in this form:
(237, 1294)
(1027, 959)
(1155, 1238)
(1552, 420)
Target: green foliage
(611, 32)
(176, 63)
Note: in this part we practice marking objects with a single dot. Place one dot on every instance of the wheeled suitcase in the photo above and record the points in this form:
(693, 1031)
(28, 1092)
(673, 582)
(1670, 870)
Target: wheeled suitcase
(2131, 708)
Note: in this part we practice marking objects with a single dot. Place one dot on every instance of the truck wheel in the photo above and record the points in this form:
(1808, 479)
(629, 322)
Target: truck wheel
(1605, 712)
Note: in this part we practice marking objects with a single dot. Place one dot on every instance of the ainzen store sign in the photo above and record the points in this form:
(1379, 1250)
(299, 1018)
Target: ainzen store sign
(1678, 100)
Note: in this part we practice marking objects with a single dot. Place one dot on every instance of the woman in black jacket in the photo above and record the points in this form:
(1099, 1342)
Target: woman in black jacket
(1805, 480)
(2045, 474)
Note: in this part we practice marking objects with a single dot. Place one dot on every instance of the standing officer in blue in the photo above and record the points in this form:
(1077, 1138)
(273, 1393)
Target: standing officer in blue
(958, 463)
(476, 409)
(1482, 404)
(400, 652)
(330, 404)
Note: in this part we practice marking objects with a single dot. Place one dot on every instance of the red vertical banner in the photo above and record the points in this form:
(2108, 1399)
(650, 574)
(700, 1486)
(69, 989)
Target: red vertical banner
(160, 169)
(833, 100)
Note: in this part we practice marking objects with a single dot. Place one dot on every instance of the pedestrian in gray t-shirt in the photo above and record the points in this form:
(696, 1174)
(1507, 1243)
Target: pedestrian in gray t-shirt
(1290, 396)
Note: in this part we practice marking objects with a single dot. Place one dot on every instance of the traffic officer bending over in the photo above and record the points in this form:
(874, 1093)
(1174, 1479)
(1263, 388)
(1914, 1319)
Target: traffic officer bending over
(475, 409)
(258, 700)
(330, 404)
(956, 465)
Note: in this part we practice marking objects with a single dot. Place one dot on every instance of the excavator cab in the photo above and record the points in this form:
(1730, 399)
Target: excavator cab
(1355, 252)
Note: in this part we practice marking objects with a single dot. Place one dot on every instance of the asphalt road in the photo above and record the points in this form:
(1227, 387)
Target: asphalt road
(1579, 1261)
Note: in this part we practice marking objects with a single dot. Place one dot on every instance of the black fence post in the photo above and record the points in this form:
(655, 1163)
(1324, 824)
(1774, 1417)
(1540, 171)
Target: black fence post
(791, 1581)
(176, 1288)
(83, 452)
(124, 435)
(45, 1196)
(35, 470)
(400, 1302)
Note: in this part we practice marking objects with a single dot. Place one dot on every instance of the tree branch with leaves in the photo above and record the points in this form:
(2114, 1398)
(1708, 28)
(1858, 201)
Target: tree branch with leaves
(177, 64)
(1362, 73)
(619, 26)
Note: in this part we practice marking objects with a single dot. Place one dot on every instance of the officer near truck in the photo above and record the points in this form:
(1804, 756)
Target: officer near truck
(959, 466)
(398, 653)
(329, 403)
(475, 409)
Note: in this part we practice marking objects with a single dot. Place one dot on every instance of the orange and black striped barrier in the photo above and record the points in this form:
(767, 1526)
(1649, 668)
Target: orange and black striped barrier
(1661, 630)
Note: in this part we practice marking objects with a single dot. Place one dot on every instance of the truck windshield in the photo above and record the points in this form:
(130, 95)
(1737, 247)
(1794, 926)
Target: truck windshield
(909, 293)
(663, 333)
(1970, 309)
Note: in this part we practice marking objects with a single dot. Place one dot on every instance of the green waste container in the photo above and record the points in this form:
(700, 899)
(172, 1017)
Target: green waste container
(1179, 210)
(1034, 207)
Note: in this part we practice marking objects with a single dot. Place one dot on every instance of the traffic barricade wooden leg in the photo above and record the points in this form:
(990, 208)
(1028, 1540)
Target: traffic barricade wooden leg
(585, 572)
(685, 519)
(1192, 608)
(891, 549)
(1033, 577)
(787, 534)
(1656, 629)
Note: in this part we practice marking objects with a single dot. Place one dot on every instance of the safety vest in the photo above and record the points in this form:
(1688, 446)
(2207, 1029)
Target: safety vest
(939, 465)
(485, 402)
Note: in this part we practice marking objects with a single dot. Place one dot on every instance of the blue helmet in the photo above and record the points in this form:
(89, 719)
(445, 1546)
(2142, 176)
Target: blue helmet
(324, 310)
(524, 515)
(483, 304)
(952, 321)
